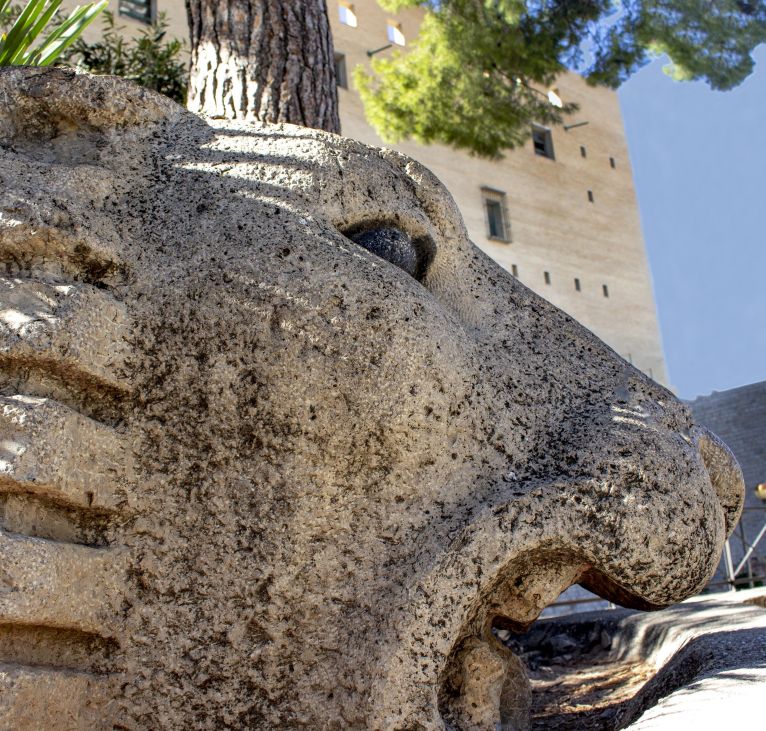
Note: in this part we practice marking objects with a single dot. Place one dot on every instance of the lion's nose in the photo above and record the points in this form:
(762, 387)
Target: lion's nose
(725, 474)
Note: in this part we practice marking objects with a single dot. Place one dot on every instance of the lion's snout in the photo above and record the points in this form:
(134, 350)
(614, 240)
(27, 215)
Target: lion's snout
(725, 474)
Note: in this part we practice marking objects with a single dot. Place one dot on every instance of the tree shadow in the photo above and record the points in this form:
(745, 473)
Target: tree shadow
(717, 661)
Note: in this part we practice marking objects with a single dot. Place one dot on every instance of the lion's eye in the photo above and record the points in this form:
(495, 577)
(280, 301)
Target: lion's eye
(397, 247)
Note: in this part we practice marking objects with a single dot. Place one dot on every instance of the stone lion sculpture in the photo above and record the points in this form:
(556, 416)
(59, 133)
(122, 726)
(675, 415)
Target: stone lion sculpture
(280, 447)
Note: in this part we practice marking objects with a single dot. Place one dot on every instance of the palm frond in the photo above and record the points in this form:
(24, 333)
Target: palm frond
(16, 46)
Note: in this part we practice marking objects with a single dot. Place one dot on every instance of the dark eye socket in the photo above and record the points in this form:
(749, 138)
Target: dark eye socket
(397, 247)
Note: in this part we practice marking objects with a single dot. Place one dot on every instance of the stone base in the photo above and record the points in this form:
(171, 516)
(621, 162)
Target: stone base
(700, 664)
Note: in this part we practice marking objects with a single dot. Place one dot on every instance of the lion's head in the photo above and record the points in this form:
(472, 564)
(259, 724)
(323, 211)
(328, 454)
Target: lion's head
(280, 446)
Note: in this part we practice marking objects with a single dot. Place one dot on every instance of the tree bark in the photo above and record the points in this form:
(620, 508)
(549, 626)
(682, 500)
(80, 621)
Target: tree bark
(266, 60)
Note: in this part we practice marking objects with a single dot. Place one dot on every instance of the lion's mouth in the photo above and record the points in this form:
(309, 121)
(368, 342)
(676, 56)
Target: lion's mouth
(484, 685)
(448, 670)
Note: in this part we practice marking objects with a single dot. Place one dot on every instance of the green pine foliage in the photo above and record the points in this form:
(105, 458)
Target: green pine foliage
(23, 26)
(708, 40)
(476, 76)
(473, 79)
(148, 59)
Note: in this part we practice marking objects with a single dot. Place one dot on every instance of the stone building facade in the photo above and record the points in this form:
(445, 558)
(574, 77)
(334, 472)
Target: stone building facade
(738, 416)
(560, 213)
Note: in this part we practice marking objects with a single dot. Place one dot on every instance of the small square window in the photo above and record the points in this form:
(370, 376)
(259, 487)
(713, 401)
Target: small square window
(496, 213)
(341, 79)
(542, 140)
(590, 196)
(347, 14)
(547, 277)
(395, 34)
(612, 163)
(577, 284)
(605, 290)
(141, 10)
(514, 270)
(583, 151)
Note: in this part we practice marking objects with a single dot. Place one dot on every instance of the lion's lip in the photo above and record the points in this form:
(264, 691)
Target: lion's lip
(604, 586)
(725, 474)
(527, 586)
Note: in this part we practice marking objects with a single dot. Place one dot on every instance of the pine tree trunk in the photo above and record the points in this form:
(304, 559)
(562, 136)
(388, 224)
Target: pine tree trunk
(267, 60)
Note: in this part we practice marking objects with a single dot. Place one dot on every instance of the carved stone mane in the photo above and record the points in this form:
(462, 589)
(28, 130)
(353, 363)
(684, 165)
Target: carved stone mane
(279, 446)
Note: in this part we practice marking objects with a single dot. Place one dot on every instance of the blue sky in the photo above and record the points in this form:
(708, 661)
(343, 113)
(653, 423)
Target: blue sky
(699, 161)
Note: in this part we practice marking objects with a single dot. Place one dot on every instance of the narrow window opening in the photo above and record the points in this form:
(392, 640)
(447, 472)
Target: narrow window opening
(612, 163)
(547, 277)
(395, 34)
(542, 140)
(341, 78)
(496, 229)
(577, 284)
(496, 215)
(590, 196)
(347, 14)
(514, 270)
(583, 151)
(605, 290)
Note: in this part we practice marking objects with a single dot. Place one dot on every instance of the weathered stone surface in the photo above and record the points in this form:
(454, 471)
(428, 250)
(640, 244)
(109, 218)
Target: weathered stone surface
(322, 480)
